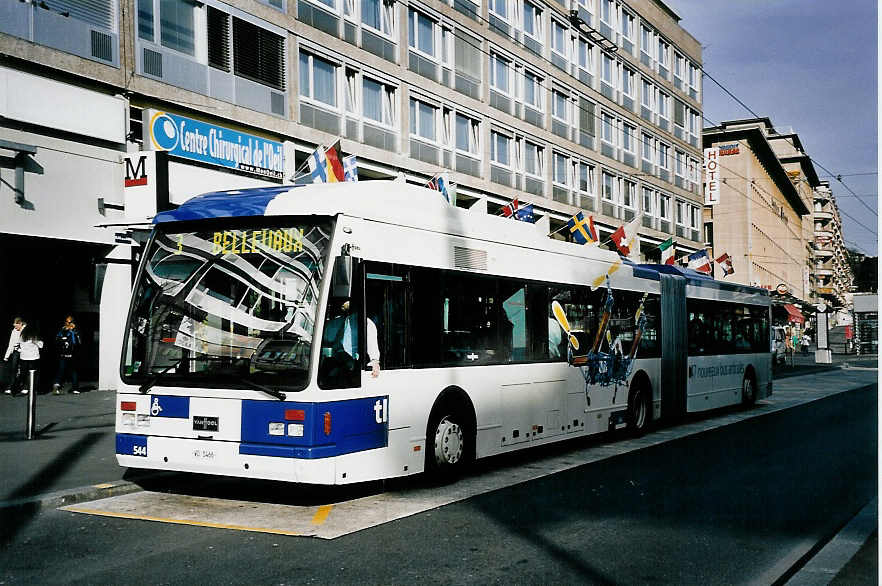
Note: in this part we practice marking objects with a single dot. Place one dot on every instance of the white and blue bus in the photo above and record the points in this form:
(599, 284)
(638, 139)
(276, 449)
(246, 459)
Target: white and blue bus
(254, 315)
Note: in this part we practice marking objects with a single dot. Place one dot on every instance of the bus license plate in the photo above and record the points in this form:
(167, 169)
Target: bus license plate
(201, 423)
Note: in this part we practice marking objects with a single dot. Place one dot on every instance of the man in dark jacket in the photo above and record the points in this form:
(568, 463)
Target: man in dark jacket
(68, 343)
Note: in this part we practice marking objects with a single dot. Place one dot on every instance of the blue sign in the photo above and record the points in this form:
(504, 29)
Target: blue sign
(207, 143)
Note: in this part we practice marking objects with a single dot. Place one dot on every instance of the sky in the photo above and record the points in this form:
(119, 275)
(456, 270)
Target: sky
(809, 65)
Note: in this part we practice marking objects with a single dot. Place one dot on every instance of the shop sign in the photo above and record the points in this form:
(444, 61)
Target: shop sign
(711, 176)
(212, 144)
(782, 289)
(728, 149)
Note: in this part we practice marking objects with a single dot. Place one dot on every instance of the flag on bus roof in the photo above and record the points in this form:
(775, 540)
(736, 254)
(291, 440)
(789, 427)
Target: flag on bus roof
(441, 183)
(625, 237)
(667, 251)
(335, 167)
(583, 230)
(510, 209)
(525, 214)
(725, 262)
(350, 168)
(700, 262)
(318, 165)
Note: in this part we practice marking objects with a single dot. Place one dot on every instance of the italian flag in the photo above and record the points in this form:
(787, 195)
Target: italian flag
(667, 250)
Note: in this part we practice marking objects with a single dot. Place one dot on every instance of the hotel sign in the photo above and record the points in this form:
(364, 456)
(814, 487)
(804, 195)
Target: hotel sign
(212, 144)
(711, 176)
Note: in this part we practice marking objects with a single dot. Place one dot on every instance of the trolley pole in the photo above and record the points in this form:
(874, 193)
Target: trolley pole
(32, 408)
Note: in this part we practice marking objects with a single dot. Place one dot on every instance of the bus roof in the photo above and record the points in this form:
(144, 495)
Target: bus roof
(405, 204)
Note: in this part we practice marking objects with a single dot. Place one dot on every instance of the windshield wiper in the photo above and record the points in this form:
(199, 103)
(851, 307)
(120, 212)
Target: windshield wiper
(259, 387)
(153, 380)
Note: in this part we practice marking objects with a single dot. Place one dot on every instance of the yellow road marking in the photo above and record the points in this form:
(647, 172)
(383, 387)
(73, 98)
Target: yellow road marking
(322, 514)
(103, 485)
(179, 521)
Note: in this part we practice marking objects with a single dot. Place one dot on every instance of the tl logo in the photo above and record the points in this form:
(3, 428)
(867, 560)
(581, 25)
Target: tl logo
(381, 410)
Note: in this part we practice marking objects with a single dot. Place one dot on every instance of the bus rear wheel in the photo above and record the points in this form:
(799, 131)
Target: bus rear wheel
(748, 389)
(638, 409)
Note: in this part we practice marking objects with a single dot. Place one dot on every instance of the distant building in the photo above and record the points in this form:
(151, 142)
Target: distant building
(572, 105)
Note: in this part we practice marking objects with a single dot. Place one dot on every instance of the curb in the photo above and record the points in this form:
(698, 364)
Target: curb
(833, 557)
(53, 500)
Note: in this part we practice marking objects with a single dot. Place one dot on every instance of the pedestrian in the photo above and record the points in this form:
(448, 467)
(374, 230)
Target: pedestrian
(788, 342)
(29, 359)
(68, 342)
(11, 357)
(806, 342)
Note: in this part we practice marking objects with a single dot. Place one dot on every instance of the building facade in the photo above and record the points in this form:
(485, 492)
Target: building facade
(831, 271)
(570, 105)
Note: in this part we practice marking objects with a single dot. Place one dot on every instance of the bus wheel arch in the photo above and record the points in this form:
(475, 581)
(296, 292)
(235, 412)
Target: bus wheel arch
(639, 413)
(451, 434)
(748, 386)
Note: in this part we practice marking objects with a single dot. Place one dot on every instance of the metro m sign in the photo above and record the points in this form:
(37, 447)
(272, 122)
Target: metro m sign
(712, 176)
(136, 172)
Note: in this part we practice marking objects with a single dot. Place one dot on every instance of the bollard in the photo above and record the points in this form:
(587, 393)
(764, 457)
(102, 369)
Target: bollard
(32, 408)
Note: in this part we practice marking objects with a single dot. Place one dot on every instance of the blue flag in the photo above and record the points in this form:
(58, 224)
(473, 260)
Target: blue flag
(525, 214)
(582, 230)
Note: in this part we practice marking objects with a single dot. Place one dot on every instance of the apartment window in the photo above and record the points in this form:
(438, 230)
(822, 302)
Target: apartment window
(378, 15)
(662, 105)
(532, 90)
(558, 38)
(694, 217)
(679, 66)
(586, 177)
(646, 41)
(646, 93)
(663, 53)
(500, 72)
(608, 128)
(177, 25)
(258, 54)
(648, 201)
(145, 20)
(608, 11)
(629, 194)
(627, 26)
(680, 163)
(664, 207)
(467, 55)
(679, 114)
(421, 31)
(533, 159)
(559, 105)
(663, 155)
(628, 78)
(694, 78)
(609, 187)
(560, 169)
(607, 69)
(532, 20)
(500, 8)
(681, 212)
(629, 138)
(468, 132)
(694, 171)
(585, 55)
(378, 101)
(423, 120)
(318, 79)
(500, 148)
(647, 147)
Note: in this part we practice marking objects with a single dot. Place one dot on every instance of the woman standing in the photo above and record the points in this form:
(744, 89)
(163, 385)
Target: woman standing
(29, 358)
(68, 341)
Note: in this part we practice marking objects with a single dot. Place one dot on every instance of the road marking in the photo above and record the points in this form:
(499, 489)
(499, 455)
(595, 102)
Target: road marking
(411, 498)
(103, 485)
(121, 515)
(322, 514)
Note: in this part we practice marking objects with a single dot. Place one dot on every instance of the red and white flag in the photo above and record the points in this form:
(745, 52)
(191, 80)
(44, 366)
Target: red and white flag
(510, 209)
(625, 237)
(725, 262)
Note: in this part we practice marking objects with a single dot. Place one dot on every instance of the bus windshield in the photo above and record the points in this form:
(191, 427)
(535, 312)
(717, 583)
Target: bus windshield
(228, 306)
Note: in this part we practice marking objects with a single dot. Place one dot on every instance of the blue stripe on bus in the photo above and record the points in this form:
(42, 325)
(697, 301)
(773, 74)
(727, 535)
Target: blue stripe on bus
(355, 425)
(128, 444)
(223, 204)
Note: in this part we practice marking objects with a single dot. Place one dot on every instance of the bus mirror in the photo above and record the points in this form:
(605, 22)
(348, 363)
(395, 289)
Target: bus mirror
(578, 347)
(341, 278)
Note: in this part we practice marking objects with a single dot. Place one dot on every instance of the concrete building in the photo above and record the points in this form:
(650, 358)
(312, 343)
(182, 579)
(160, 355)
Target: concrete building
(140, 104)
(831, 272)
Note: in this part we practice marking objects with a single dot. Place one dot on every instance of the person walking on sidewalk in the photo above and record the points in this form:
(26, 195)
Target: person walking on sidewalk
(11, 357)
(68, 341)
(29, 359)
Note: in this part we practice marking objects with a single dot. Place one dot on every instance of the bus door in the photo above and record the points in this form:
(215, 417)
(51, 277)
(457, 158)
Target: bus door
(674, 345)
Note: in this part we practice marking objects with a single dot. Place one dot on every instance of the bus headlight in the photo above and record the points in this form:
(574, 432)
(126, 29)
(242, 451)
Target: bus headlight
(295, 429)
(276, 428)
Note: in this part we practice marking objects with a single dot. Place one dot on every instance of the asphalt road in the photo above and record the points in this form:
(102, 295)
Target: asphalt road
(727, 506)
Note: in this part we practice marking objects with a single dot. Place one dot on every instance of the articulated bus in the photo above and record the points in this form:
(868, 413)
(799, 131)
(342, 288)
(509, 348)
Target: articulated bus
(258, 318)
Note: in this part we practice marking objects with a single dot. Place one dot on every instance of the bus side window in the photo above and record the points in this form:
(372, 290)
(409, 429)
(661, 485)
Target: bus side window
(386, 292)
(513, 321)
(649, 342)
(698, 329)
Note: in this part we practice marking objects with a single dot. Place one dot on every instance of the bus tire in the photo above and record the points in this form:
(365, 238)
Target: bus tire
(748, 388)
(450, 441)
(639, 406)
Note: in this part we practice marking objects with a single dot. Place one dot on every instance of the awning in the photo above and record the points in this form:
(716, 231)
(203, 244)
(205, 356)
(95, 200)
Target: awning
(794, 314)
